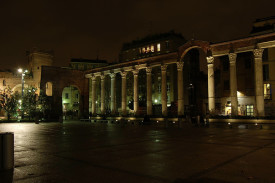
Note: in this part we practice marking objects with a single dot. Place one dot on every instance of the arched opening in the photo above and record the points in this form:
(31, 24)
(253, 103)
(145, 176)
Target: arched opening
(18, 88)
(70, 102)
(195, 81)
(49, 89)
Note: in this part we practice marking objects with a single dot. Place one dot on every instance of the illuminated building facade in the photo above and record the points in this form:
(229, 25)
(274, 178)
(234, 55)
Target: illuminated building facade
(36, 59)
(229, 78)
(166, 75)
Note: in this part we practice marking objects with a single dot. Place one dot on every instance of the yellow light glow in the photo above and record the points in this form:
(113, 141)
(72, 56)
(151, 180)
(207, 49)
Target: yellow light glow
(158, 47)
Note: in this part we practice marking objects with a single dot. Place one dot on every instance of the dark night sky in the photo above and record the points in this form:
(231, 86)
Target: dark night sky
(81, 29)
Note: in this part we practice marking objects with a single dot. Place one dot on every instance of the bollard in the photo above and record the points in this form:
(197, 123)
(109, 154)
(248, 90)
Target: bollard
(6, 151)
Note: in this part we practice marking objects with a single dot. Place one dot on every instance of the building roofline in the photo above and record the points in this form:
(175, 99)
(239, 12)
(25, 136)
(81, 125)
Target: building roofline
(81, 60)
(242, 39)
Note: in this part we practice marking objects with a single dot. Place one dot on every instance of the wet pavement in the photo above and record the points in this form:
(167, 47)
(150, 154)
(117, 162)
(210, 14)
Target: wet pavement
(99, 152)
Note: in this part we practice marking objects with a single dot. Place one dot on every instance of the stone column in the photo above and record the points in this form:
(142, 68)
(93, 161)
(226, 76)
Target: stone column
(93, 95)
(180, 89)
(259, 86)
(211, 84)
(113, 102)
(123, 92)
(149, 90)
(164, 90)
(102, 94)
(135, 72)
(233, 84)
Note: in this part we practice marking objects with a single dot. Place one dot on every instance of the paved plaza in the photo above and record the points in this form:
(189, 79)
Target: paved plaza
(98, 152)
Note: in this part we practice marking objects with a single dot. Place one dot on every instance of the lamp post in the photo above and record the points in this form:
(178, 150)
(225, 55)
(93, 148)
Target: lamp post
(23, 73)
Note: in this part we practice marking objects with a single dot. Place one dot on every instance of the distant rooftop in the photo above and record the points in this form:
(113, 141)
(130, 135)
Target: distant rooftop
(150, 39)
(82, 60)
(37, 50)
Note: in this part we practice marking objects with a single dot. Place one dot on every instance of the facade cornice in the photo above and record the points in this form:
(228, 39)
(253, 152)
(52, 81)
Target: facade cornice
(152, 61)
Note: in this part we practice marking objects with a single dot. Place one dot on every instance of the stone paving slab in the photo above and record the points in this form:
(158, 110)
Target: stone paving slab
(98, 152)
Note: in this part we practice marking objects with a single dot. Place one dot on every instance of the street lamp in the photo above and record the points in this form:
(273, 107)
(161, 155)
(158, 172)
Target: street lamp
(23, 73)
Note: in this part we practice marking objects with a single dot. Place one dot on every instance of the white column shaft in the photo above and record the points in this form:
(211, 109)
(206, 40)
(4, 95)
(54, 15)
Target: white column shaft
(123, 94)
(180, 89)
(93, 95)
(233, 84)
(102, 95)
(136, 93)
(211, 84)
(259, 86)
(113, 80)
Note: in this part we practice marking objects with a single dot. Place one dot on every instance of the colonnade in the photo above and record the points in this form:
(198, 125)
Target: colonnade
(258, 74)
(259, 95)
(135, 71)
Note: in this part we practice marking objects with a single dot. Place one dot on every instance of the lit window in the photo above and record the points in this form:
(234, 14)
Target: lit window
(143, 50)
(152, 48)
(267, 91)
(249, 110)
(148, 49)
(158, 47)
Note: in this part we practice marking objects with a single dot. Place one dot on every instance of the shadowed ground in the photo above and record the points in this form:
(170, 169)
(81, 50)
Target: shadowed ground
(98, 152)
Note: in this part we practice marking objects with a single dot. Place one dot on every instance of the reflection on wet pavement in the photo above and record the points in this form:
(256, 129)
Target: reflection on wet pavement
(109, 152)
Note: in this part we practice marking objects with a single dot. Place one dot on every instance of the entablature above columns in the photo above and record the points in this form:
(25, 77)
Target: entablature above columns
(268, 44)
(243, 45)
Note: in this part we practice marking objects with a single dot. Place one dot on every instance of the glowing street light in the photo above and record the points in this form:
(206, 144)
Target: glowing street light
(23, 73)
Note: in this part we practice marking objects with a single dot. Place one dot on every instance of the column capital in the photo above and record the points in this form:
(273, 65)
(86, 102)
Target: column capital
(232, 58)
(148, 70)
(102, 76)
(112, 75)
(258, 53)
(163, 68)
(123, 74)
(180, 65)
(93, 77)
(136, 67)
(210, 60)
(135, 72)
